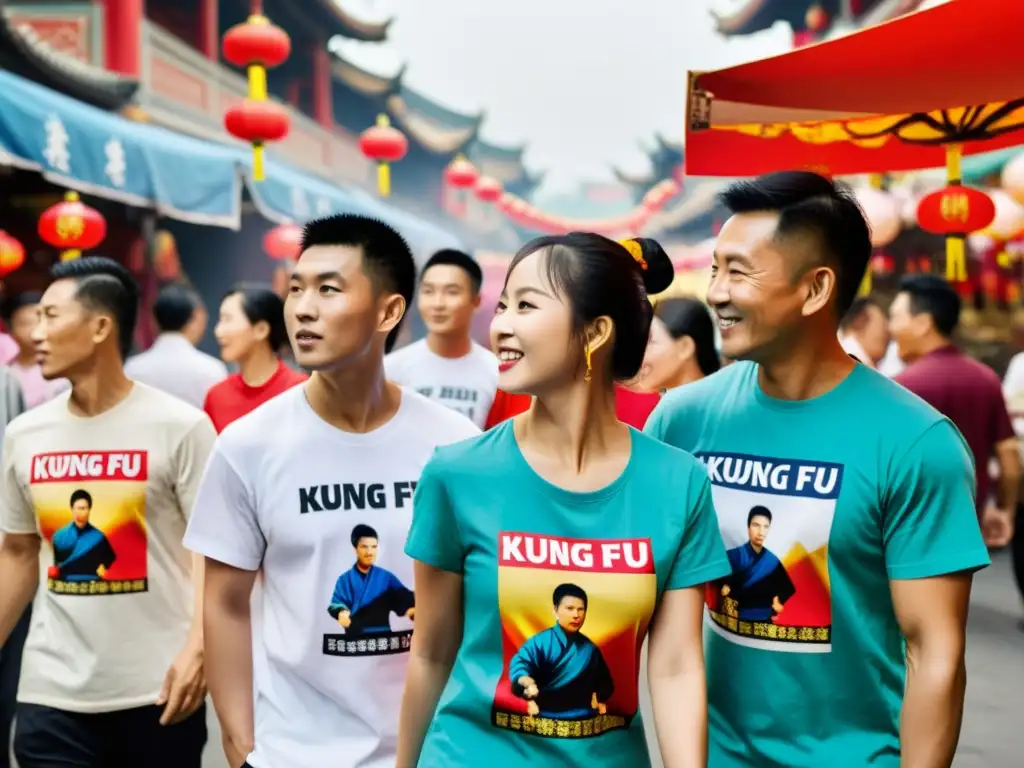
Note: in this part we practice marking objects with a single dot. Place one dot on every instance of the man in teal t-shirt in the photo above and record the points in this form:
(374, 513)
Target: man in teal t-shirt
(845, 502)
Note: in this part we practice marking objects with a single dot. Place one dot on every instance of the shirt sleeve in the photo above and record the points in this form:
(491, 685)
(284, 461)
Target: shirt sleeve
(17, 514)
(434, 536)
(224, 525)
(930, 524)
(701, 555)
(189, 461)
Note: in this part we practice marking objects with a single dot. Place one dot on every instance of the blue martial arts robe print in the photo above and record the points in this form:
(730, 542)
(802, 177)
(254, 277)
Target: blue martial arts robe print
(78, 553)
(758, 579)
(569, 670)
(370, 598)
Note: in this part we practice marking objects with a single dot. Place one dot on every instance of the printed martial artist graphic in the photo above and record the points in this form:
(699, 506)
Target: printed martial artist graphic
(759, 586)
(81, 551)
(91, 507)
(559, 671)
(366, 595)
(574, 613)
(776, 516)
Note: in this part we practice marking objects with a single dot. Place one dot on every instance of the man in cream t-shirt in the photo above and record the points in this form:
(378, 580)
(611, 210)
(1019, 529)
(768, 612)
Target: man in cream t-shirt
(98, 485)
(447, 366)
(313, 490)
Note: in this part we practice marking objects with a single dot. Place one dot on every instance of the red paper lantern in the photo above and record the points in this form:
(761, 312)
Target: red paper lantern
(283, 242)
(72, 227)
(257, 44)
(12, 254)
(489, 190)
(461, 173)
(955, 210)
(384, 144)
(257, 121)
(257, 41)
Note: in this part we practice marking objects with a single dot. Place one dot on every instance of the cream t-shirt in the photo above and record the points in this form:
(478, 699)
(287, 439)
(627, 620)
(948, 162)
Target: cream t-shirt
(110, 495)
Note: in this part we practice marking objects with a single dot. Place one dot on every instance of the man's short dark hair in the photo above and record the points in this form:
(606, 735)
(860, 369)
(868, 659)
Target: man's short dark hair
(362, 531)
(103, 285)
(175, 307)
(810, 204)
(387, 258)
(20, 301)
(857, 311)
(563, 591)
(463, 261)
(81, 495)
(759, 511)
(933, 295)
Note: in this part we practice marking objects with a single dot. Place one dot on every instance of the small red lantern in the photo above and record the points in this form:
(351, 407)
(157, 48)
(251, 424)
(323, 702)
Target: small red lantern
(461, 173)
(384, 144)
(283, 242)
(257, 45)
(12, 254)
(488, 190)
(72, 227)
(955, 210)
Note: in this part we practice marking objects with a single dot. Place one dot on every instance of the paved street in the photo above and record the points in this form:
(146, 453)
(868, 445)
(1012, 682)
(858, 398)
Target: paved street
(992, 734)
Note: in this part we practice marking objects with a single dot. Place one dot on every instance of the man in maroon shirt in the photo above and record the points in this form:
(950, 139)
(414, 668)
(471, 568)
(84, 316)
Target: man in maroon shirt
(922, 319)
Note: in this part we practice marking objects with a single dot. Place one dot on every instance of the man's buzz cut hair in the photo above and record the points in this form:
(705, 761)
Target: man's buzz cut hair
(460, 259)
(387, 259)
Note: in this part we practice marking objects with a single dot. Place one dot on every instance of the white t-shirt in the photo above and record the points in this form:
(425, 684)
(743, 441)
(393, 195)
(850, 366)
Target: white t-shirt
(287, 493)
(466, 384)
(1013, 391)
(110, 495)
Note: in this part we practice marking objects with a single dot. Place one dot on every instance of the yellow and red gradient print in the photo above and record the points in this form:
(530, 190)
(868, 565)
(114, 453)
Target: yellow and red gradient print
(116, 481)
(619, 579)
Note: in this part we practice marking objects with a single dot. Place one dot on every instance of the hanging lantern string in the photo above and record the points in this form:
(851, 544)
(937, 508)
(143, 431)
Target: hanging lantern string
(383, 169)
(956, 258)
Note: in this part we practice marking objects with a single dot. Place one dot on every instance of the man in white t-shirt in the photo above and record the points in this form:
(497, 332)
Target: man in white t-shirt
(314, 491)
(173, 364)
(101, 482)
(448, 366)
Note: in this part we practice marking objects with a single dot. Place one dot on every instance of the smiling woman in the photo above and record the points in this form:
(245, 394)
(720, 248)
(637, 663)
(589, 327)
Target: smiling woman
(571, 610)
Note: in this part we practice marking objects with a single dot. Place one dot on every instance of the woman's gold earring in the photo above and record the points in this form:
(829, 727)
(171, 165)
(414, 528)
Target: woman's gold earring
(586, 357)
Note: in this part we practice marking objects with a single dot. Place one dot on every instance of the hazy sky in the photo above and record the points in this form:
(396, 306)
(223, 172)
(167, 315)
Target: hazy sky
(583, 82)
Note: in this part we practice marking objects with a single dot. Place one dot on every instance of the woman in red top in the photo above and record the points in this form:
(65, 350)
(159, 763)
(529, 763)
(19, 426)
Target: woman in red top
(250, 332)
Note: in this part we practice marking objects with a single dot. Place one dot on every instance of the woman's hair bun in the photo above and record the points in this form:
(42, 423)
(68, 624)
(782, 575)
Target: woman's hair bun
(659, 272)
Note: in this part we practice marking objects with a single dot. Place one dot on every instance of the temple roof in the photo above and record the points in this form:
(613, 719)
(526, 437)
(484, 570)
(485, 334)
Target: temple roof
(323, 19)
(633, 179)
(758, 15)
(525, 184)
(436, 128)
(482, 151)
(352, 27)
(24, 53)
(364, 82)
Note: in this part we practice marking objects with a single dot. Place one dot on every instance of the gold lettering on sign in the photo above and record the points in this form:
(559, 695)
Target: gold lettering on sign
(955, 207)
(70, 227)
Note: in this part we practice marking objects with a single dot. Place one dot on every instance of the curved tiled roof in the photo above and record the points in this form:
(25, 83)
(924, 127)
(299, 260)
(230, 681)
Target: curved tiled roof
(24, 53)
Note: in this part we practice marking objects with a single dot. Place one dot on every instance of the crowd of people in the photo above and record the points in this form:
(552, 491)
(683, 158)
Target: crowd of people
(445, 555)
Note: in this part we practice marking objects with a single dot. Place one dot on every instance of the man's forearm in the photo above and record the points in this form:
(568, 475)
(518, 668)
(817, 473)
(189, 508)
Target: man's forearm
(1009, 490)
(933, 708)
(19, 579)
(227, 640)
(681, 718)
(195, 634)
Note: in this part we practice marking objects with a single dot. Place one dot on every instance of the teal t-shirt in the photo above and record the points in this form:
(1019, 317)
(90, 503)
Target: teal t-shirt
(821, 503)
(559, 588)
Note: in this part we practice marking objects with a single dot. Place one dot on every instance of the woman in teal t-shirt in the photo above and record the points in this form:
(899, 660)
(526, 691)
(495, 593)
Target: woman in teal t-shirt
(546, 547)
